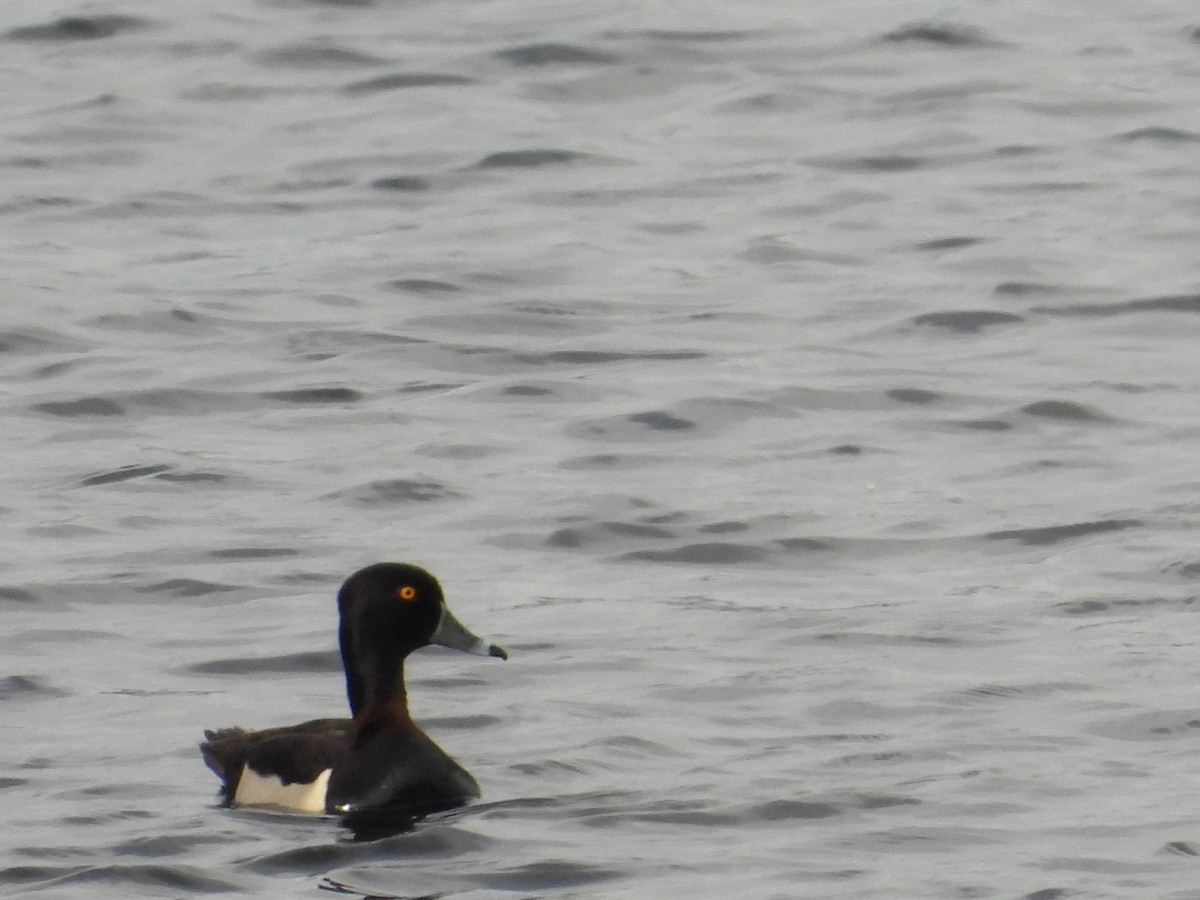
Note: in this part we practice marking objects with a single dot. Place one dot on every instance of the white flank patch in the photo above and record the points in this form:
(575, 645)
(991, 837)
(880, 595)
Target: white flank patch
(269, 790)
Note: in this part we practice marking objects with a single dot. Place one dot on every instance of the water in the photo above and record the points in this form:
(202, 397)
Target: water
(804, 396)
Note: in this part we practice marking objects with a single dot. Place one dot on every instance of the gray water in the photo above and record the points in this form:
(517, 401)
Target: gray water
(805, 394)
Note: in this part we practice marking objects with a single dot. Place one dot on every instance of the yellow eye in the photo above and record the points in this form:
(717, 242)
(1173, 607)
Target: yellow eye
(407, 592)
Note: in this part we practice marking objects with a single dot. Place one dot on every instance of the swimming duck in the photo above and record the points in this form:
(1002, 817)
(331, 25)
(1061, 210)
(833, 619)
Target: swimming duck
(378, 759)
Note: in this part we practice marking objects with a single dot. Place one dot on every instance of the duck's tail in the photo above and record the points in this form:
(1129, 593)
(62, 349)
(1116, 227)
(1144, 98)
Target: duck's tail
(224, 750)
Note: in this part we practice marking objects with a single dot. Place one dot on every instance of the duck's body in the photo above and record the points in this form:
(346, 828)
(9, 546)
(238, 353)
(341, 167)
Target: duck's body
(286, 768)
(379, 759)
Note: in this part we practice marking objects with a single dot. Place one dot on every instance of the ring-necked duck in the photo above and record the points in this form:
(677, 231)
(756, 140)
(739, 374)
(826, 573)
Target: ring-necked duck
(379, 759)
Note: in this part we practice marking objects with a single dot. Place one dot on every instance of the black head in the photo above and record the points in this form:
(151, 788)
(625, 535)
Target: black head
(387, 611)
(392, 605)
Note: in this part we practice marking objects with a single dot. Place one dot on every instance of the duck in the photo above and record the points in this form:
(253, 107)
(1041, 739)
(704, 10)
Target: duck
(379, 759)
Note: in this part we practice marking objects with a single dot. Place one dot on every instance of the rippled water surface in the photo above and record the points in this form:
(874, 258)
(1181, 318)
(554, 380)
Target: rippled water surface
(805, 394)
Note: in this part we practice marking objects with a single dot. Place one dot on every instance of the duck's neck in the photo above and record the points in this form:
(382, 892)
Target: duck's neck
(377, 694)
